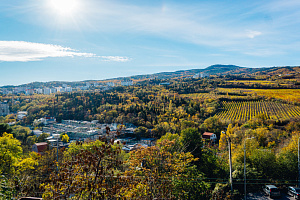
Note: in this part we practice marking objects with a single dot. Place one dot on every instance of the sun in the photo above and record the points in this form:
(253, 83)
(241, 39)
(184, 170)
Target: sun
(64, 7)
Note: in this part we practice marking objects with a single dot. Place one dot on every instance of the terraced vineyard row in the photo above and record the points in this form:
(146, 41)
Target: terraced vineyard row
(246, 110)
(292, 95)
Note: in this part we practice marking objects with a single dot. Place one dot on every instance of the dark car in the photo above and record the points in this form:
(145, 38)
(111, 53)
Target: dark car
(294, 192)
(271, 191)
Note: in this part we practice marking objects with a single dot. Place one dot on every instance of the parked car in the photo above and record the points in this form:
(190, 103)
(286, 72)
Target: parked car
(271, 191)
(294, 192)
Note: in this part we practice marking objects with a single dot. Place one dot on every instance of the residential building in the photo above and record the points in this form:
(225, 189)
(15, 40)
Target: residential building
(19, 90)
(40, 147)
(68, 89)
(210, 136)
(165, 83)
(21, 115)
(37, 132)
(4, 109)
(111, 84)
(29, 91)
(200, 75)
(47, 91)
(53, 90)
(60, 89)
(127, 83)
(38, 91)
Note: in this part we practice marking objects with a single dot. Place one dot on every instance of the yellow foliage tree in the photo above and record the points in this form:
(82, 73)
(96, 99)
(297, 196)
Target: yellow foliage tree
(154, 170)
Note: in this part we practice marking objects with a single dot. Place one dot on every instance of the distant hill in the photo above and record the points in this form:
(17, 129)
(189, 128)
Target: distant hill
(218, 69)
(224, 70)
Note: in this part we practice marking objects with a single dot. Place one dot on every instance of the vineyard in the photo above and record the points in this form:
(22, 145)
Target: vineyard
(245, 111)
(292, 95)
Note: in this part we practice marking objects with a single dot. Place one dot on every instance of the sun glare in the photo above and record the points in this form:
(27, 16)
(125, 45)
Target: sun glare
(64, 7)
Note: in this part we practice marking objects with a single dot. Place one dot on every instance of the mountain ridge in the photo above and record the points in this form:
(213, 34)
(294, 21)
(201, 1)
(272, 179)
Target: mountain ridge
(217, 69)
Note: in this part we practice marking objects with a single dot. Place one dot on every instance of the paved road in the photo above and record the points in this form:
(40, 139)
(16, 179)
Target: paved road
(261, 196)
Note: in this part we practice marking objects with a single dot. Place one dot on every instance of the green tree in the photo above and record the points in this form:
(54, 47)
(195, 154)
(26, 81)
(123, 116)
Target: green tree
(192, 140)
(213, 125)
(5, 128)
(10, 153)
(42, 137)
(141, 132)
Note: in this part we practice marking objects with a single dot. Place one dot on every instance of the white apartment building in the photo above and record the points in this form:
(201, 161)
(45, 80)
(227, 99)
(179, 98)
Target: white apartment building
(60, 89)
(53, 90)
(111, 84)
(68, 89)
(200, 75)
(47, 91)
(38, 91)
(127, 83)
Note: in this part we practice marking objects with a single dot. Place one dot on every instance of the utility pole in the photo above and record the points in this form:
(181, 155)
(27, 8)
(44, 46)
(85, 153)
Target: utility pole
(230, 162)
(245, 187)
(298, 164)
(57, 154)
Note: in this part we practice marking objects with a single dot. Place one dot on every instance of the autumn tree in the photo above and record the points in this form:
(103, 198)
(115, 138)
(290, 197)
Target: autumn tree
(92, 173)
(158, 173)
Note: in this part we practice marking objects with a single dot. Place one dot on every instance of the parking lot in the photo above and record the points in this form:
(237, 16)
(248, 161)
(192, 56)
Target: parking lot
(262, 196)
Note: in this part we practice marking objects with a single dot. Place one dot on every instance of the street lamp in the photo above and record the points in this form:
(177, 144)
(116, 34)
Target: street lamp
(230, 163)
(245, 166)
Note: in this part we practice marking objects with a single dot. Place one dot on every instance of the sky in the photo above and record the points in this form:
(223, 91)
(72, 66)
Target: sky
(75, 40)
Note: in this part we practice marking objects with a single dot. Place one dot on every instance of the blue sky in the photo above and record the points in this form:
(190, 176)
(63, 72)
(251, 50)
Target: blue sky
(72, 40)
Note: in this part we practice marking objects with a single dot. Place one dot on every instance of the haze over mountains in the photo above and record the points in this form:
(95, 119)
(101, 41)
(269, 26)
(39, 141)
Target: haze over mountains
(218, 69)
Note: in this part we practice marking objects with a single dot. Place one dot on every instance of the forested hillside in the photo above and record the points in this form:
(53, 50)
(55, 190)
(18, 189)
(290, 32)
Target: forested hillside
(260, 115)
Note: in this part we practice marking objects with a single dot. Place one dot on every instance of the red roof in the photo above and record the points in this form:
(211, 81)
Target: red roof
(208, 134)
(42, 146)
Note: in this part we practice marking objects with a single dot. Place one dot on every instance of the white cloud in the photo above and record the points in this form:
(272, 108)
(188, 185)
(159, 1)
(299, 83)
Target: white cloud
(115, 58)
(252, 34)
(22, 51)
(12, 51)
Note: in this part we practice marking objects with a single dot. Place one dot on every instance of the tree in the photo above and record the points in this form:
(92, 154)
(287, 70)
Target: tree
(10, 153)
(92, 173)
(141, 132)
(192, 140)
(213, 125)
(42, 137)
(4, 128)
(158, 173)
(176, 145)
(65, 138)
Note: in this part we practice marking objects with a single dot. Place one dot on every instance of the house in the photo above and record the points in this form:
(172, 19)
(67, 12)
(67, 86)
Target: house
(37, 132)
(210, 136)
(21, 115)
(40, 147)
